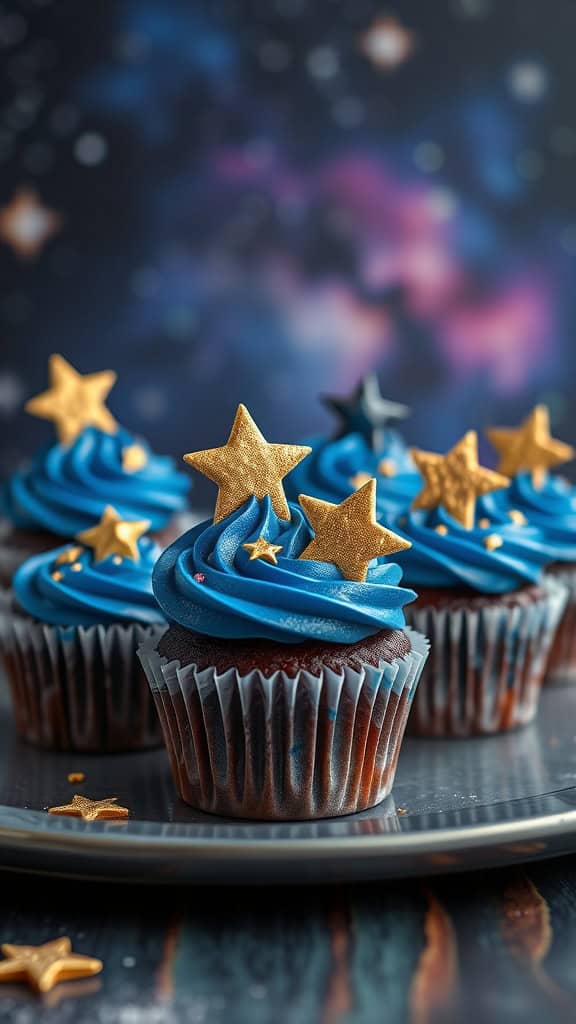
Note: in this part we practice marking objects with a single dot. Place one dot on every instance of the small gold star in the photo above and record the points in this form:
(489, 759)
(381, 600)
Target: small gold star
(517, 517)
(347, 535)
(263, 549)
(74, 401)
(71, 554)
(529, 447)
(134, 457)
(441, 529)
(247, 465)
(115, 536)
(91, 810)
(26, 225)
(42, 967)
(387, 467)
(493, 542)
(57, 576)
(359, 480)
(455, 480)
(484, 523)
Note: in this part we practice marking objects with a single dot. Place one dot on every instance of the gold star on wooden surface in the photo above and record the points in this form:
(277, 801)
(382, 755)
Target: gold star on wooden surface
(91, 810)
(455, 480)
(347, 535)
(529, 446)
(246, 466)
(359, 480)
(26, 225)
(74, 401)
(71, 554)
(115, 536)
(42, 967)
(134, 458)
(263, 549)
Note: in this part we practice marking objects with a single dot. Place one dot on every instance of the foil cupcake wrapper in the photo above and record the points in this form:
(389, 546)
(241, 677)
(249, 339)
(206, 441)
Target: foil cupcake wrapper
(562, 661)
(76, 688)
(280, 747)
(487, 664)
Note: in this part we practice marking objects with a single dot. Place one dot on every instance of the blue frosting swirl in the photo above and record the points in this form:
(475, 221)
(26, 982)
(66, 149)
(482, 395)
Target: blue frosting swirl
(459, 558)
(100, 593)
(66, 488)
(207, 583)
(551, 508)
(328, 471)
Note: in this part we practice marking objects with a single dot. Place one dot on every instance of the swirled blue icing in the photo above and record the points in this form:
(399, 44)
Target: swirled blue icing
(207, 583)
(460, 558)
(328, 471)
(551, 508)
(100, 593)
(66, 488)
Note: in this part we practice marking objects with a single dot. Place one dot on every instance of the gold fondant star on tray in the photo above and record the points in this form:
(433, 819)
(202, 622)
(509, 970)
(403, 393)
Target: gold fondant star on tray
(74, 401)
(43, 967)
(115, 536)
(246, 466)
(347, 535)
(91, 810)
(529, 447)
(263, 549)
(455, 480)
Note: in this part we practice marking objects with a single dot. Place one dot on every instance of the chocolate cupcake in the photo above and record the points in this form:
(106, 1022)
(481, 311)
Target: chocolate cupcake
(490, 613)
(285, 679)
(69, 640)
(365, 447)
(547, 501)
(95, 462)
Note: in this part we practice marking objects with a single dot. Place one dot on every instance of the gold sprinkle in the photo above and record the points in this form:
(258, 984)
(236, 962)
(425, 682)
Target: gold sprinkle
(117, 559)
(484, 523)
(134, 457)
(57, 576)
(517, 517)
(493, 541)
(359, 480)
(70, 555)
(76, 776)
(441, 529)
(77, 567)
(387, 467)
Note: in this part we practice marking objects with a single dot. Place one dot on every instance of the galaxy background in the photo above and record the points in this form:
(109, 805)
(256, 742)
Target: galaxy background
(260, 201)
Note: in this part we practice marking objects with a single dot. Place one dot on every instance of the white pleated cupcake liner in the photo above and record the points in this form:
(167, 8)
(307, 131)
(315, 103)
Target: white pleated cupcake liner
(562, 661)
(487, 663)
(284, 747)
(79, 688)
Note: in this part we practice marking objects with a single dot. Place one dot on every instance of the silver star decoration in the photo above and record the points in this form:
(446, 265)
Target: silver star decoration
(365, 411)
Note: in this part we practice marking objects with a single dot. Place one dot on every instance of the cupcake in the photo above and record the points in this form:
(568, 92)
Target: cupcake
(285, 679)
(484, 602)
(548, 501)
(69, 641)
(93, 463)
(365, 447)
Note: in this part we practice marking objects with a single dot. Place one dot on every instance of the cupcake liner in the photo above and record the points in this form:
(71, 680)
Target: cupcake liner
(284, 747)
(77, 688)
(562, 661)
(487, 663)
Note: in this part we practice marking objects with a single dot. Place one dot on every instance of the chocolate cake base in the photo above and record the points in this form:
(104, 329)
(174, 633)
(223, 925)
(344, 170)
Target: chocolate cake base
(17, 545)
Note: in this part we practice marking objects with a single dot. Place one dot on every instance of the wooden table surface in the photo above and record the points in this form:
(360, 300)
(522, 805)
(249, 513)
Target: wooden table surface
(493, 946)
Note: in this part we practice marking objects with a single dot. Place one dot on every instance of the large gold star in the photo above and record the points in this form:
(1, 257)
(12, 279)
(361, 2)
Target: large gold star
(248, 466)
(91, 810)
(26, 225)
(114, 536)
(529, 446)
(263, 549)
(44, 966)
(455, 480)
(74, 401)
(347, 535)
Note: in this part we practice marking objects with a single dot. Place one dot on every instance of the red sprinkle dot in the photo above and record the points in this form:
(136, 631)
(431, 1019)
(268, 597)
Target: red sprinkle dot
(199, 577)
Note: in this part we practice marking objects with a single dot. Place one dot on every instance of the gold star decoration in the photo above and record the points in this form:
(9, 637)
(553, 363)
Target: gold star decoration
(115, 536)
(74, 400)
(71, 554)
(247, 465)
(134, 458)
(91, 810)
(529, 446)
(263, 549)
(26, 225)
(44, 966)
(455, 480)
(347, 535)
